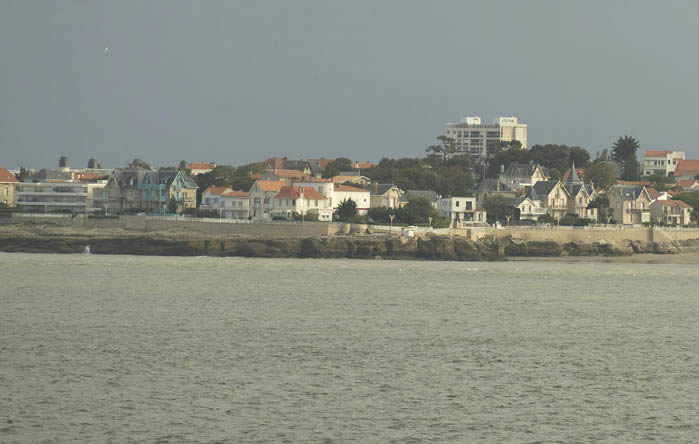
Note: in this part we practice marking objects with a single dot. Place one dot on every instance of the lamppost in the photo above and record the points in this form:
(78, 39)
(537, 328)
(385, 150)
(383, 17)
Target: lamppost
(430, 219)
(391, 216)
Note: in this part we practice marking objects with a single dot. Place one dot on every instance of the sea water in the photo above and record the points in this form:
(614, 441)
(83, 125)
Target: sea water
(98, 348)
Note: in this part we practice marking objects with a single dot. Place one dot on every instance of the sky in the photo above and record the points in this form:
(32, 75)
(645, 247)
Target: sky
(240, 81)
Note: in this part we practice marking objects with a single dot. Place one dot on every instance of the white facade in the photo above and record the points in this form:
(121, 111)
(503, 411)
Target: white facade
(459, 209)
(235, 205)
(472, 137)
(662, 163)
(261, 197)
(48, 197)
(360, 196)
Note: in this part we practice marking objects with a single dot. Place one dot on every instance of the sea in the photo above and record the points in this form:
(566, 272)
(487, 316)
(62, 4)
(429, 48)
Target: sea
(97, 348)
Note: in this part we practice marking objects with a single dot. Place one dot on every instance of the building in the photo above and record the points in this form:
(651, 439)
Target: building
(670, 212)
(291, 201)
(472, 137)
(360, 196)
(8, 185)
(687, 169)
(520, 176)
(356, 179)
(211, 197)
(261, 195)
(409, 195)
(55, 195)
(284, 175)
(629, 204)
(235, 205)
(384, 195)
(550, 195)
(580, 195)
(460, 210)
(661, 163)
(197, 168)
(489, 187)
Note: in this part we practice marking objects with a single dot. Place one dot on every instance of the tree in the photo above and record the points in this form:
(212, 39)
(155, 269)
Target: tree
(497, 207)
(347, 209)
(329, 172)
(601, 202)
(380, 214)
(22, 174)
(624, 152)
(601, 175)
(558, 156)
(138, 163)
(341, 164)
(555, 174)
(417, 211)
(92, 163)
(63, 162)
(98, 166)
(172, 205)
(183, 165)
(660, 182)
(445, 149)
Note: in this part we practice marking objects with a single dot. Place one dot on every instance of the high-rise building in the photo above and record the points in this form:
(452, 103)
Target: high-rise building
(472, 137)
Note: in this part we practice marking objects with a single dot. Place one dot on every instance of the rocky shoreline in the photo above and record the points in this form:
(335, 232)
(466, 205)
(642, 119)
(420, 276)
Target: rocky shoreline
(39, 238)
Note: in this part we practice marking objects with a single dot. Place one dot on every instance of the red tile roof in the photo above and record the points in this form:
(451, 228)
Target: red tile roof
(687, 167)
(674, 203)
(579, 171)
(236, 194)
(6, 176)
(652, 193)
(348, 188)
(286, 173)
(274, 162)
(287, 192)
(201, 165)
(270, 185)
(314, 180)
(363, 165)
(687, 183)
(658, 153)
(632, 182)
(216, 190)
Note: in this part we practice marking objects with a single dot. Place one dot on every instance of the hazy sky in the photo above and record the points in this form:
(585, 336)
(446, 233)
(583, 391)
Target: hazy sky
(239, 81)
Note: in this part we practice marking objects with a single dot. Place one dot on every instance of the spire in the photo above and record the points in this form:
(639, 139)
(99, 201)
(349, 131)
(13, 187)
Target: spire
(573, 176)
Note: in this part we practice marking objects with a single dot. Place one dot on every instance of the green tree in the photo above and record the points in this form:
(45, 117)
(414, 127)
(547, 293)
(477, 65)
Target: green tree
(340, 164)
(182, 165)
(417, 211)
(445, 149)
(330, 172)
(624, 152)
(380, 214)
(497, 207)
(601, 202)
(346, 209)
(660, 182)
(555, 174)
(601, 175)
(172, 205)
(138, 163)
(558, 156)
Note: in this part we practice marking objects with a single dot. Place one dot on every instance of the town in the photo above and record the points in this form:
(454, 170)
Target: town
(475, 175)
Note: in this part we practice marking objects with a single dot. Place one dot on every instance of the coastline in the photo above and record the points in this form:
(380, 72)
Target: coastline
(47, 238)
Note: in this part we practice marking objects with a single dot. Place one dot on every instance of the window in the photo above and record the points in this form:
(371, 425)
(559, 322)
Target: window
(469, 206)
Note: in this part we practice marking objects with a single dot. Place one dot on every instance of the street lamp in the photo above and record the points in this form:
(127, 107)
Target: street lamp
(430, 219)
(391, 216)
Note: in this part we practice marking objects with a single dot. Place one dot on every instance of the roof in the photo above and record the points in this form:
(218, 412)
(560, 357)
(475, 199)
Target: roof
(287, 192)
(627, 192)
(580, 172)
(274, 162)
(6, 176)
(216, 190)
(520, 170)
(270, 185)
(347, 188)
(320, 164)
(363, 165)
(381, 188)
(201, 165)
(687, 183)
(340, 179)
(296, 164)
(674, 203)
(544, 187)
(653, 193)
(315, 180)
(491, 186)
(687, 167)
(658, 153)
(236, 194)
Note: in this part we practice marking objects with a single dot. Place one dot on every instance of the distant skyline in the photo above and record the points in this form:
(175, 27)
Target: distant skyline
(237, 82)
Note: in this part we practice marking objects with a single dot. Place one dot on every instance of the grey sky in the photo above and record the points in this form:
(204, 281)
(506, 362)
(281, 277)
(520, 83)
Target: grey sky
(236, 82)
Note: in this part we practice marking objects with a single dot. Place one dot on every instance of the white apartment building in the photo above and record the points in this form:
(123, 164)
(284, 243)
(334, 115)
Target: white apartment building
(461, 210)
(47, 197)
(472, 137)
(662, 163)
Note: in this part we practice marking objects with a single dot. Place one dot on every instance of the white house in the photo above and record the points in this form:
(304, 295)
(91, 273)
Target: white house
(461, 210)
(211, 198)
(291, 200)
(670, 212)
(520, 176)
(662, 163)
(235, 205)
(261, 196)
(528, 209)
(360, 196)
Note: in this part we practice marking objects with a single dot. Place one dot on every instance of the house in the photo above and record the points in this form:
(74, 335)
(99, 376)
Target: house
(670, 212)
(291, 201)
(211, 197)
(527, 209)
(8, 185)
(360, 196)
(580, 195)
(198, 168)
(489, 187)
(235, 205)
(319, 165)
(520, 176)
(629, 204)
(53, 195)
(461, 210)
(138, 188)
(688, 184)
(661, 162)
(428, 195)
(261, 197)
(550, 195)
(687, 169)
(363, 165)
(299, 165)
(384, 195)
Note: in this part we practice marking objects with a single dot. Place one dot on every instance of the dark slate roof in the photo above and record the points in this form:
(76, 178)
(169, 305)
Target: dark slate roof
(543, 187)
(628, 192)
(573, 176)
(382, 188)
(521, 170)
(491, 186)
(297, 165)
(427, 194)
